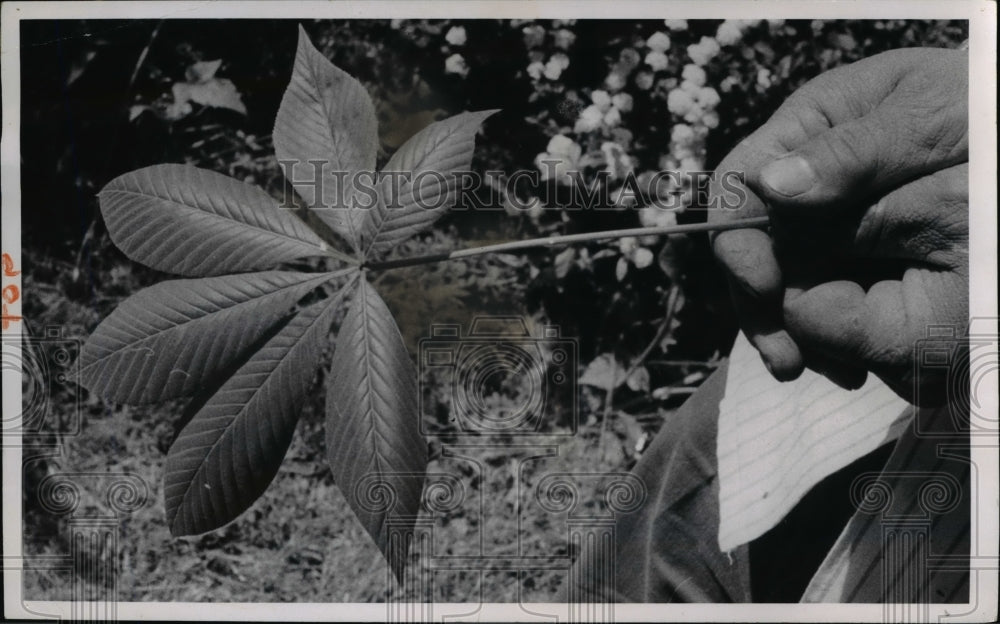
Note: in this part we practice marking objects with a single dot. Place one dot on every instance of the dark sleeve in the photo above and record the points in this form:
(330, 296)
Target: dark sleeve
(667, 550)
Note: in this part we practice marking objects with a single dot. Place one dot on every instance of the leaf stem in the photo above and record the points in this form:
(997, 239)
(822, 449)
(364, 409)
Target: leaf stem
(558, 241)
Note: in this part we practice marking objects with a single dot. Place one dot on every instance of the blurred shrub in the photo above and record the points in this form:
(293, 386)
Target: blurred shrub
(607, 98)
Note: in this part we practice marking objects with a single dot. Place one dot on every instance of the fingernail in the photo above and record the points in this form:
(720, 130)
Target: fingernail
(789, 176)
(780, 356)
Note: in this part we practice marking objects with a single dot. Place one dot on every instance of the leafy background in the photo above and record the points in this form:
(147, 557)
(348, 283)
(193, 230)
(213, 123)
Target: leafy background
(101, 98)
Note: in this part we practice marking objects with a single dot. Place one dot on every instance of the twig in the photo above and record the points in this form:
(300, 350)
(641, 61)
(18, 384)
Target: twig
(83, 244)
(661, 331)
(703, 363)
(559, 241)
(143, 54)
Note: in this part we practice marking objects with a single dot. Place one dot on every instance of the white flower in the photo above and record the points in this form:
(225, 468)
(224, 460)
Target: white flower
(642, 258)
(455, 36)
(728, 83)
(455, 64)
(682, 150)
(679, 102)
(601, 99)
(627, 245)
(622, 101)
(559, 159)
(619, 164)
(564, 38)
(534, 36)
(615, 81)
(694, 73)
(703, 51)
(682, 134)
(690, 87)
(590, 119)
(644, 80)
(632, 252)
(658, 42)
(764, 77)
(555, 66)
(562, 145)
(535, 70)
(708, 98)
(657, 60)
(651, 216)
(710, 119)
(676, 24)
(612, 118)
(695, 114)
(775, 23)
(729, 33)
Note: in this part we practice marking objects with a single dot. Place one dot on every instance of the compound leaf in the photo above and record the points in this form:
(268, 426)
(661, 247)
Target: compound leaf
(412, 202)
(375, 449)
(168, 340)
(194, 222)
(228, 453)
(327, 116)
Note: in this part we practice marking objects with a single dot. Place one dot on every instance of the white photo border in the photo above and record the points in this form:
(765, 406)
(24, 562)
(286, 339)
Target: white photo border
(981, 15)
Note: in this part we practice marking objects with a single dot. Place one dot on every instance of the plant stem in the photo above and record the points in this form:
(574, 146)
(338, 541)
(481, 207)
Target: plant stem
(557, 241)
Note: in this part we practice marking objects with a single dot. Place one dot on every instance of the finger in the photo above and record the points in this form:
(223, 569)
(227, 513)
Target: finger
(866, 157)
(746, 255)
(762, 326)
(877, 329)
(846, 375)
(926, 220)
(756, 289)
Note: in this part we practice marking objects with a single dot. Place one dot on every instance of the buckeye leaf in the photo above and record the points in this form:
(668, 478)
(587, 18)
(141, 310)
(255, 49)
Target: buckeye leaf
(168, 340)
(194, 222)
(228, 453)
(375, 449)
(429, 161)
(327, 116)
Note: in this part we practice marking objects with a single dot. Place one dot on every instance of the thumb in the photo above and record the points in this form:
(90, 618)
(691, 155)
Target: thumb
(863, 158)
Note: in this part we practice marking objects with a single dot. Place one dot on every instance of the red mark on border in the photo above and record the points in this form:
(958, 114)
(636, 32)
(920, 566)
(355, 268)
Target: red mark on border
(10, 293)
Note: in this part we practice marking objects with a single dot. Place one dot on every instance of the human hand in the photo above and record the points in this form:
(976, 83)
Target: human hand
(861, 171)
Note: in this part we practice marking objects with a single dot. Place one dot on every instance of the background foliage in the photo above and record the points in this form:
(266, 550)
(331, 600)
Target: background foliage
(101, 98)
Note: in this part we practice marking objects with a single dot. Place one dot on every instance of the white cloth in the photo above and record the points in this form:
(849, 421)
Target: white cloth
(777, 440)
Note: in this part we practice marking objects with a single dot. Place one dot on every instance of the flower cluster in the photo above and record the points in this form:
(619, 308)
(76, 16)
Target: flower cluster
(552, 66)
(693, 101)
(455, 64)
(605, 110)
(658, 44)
(703, 51)
(560, 159)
